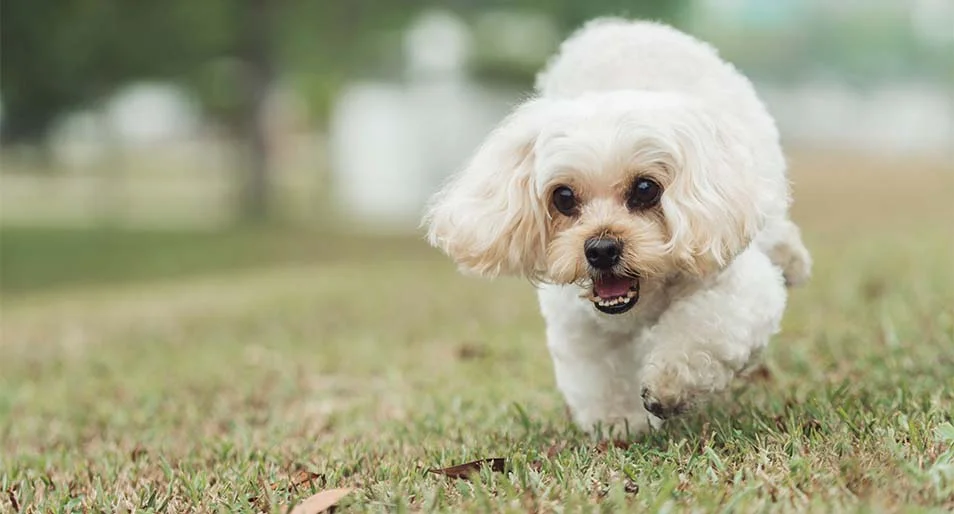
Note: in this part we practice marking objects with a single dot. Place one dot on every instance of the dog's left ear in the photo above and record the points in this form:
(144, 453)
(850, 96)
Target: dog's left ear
(487, 217)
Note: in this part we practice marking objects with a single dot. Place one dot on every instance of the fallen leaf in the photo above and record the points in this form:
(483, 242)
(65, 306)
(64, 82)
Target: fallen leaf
(303, 477)
(604, 445)
(555, 449)
(299, 479)
(552, 451)
(137, 453)
(321, 502)
(497, 465)
(470, 351)
(13, 500)
(254, 500)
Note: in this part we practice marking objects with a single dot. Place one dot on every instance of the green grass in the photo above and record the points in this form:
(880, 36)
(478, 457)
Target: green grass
(43, 258)
(211, 391)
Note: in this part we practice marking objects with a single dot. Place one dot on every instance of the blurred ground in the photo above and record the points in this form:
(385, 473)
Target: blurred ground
(174, 370)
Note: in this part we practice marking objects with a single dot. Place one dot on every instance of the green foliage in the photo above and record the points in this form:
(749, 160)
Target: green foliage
(58, 56)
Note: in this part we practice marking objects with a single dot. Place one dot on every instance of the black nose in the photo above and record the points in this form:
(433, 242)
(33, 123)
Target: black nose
(602, 253)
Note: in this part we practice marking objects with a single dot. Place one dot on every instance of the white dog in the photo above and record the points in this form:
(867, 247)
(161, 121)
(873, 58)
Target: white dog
(644, 190)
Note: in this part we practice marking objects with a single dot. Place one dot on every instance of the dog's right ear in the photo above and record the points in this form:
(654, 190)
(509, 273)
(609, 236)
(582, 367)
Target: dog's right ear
(488, 217)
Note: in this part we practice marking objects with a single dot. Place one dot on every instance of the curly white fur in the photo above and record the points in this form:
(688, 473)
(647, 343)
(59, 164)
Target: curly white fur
(623, 101)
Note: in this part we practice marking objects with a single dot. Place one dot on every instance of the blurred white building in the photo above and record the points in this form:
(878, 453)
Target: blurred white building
(393, 143)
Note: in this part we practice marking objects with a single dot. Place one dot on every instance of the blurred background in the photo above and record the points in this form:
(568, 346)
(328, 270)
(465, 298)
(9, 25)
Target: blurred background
(149, 139)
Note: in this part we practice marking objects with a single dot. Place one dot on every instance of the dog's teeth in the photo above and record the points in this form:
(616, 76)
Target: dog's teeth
(610, 302)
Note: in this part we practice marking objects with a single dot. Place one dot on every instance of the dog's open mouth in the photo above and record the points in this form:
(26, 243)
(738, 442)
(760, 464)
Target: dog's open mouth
(615, 294)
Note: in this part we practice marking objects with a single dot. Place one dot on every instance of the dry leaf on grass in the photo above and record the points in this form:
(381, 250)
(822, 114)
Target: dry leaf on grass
(552, 451)
(321, 502)
(137, 453)
(302, 478)
(13, 500)
(470, 351)
(497, 465)
(555, 449)
(605, 445)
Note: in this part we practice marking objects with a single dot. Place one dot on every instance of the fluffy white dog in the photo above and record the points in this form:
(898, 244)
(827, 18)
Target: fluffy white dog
(644, 190)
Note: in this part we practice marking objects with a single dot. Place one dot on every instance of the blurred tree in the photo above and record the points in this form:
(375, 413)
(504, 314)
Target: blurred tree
(58, 56)
(254, 45)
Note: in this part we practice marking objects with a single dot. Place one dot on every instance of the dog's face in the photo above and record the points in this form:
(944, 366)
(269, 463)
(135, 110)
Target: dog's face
(605, 191)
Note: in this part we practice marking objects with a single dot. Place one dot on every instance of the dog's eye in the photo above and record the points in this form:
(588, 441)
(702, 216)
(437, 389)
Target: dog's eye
(645, 193)
(565, 201)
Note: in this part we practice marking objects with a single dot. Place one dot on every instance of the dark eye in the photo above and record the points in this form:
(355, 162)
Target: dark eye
(645, 193)
(565, 201)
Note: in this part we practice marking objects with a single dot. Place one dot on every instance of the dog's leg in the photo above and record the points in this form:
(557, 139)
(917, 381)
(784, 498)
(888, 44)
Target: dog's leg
(596, 365)
(703, 340)
(600, 383)
(782, 242)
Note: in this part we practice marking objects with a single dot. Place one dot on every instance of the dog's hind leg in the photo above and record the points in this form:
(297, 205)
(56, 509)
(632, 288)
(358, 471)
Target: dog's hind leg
(782, 243)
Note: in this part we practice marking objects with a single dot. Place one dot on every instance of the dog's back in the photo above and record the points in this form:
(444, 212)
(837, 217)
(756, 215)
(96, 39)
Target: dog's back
(611, 54)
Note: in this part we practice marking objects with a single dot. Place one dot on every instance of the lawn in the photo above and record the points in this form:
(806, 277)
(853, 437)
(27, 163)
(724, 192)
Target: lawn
(250, 373)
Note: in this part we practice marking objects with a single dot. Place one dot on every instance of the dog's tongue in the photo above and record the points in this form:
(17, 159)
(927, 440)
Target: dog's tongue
(611, 286)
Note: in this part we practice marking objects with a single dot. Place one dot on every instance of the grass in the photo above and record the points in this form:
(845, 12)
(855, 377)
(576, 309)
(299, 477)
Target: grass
(366, 366)
(35, 259)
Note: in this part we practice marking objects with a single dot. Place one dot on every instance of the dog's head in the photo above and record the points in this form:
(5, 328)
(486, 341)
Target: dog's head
(604, 190)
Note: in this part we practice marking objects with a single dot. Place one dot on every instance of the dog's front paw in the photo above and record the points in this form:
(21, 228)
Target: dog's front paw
(663, 407)
(674, 384)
